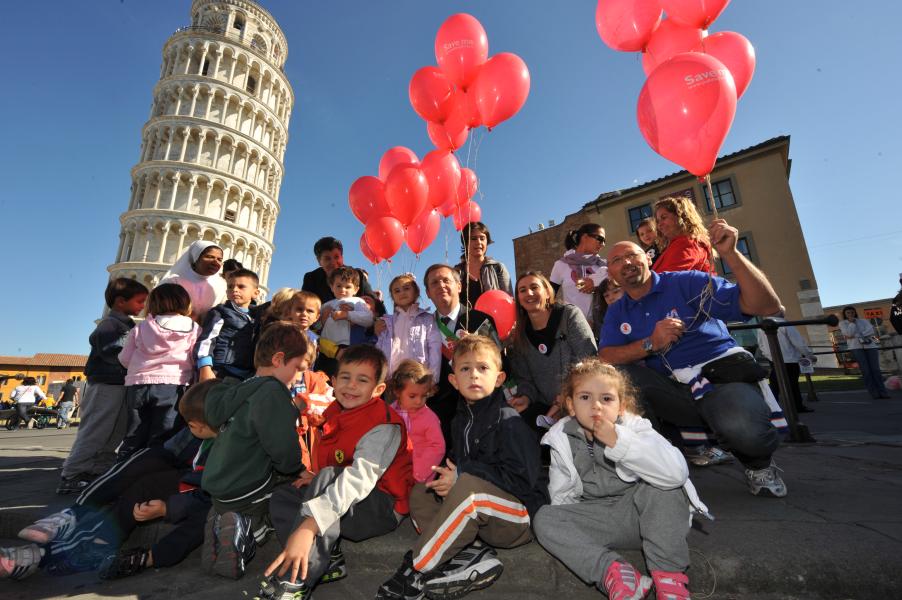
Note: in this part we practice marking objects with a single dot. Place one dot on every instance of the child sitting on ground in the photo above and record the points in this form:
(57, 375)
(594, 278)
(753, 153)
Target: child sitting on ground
(489, 490)
(225, 347)
(410, 331)
(257, 448)
(410, 385)
(312, 396)
(104, 416)
(339, 316)
(158, 356)
(154, 483)
(360, 491)
(614, 481)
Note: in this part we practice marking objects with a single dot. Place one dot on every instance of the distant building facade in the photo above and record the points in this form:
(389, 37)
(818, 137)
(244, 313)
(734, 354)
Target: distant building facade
(49, 370)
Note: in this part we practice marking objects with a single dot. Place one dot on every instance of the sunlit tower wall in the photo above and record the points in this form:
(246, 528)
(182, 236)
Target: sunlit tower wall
(211, 161)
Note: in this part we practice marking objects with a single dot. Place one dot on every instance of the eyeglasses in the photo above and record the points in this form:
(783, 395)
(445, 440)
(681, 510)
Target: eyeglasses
(599, 238)
(619, 260)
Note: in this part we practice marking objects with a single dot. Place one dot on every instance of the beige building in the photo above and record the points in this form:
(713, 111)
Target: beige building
(751, 191)
(210, 165)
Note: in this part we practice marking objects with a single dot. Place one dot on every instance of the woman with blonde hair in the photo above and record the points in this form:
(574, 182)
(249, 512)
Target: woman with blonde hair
(683, 237)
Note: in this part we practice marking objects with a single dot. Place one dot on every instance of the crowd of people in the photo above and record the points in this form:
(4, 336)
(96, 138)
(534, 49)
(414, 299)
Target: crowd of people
(320, 415)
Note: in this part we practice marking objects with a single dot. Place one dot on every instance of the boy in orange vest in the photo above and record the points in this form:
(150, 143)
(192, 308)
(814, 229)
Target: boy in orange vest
(361, 490)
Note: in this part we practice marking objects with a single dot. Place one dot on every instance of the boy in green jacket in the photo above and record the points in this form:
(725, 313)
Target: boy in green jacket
(257, 448)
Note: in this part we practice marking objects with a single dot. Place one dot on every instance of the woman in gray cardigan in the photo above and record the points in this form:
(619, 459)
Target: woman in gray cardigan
(549, 337)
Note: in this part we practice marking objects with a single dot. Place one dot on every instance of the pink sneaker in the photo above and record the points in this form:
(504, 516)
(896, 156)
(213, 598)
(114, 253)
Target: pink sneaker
(623, 582)
(670, 586)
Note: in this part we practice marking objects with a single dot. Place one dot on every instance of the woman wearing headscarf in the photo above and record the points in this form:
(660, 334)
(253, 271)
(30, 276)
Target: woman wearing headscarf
(197, 270)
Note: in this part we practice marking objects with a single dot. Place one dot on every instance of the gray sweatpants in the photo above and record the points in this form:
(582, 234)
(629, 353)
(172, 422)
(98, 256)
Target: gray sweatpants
(583, 535)
(104, 418)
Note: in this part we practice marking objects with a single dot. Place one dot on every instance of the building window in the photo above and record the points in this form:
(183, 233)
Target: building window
(744, 246)
(206, 68)
(724, 196)
(251, 85)
(238, 23)
(637, 213)
(231, 216)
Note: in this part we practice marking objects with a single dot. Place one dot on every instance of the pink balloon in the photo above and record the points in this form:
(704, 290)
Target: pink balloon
(736, 53)
(499, 305)
(465, 109)
(694, 13)
(443, 175)
(501, 88)
(626, 25)
(468, 212)
(423, 231)
(461, 46)
(431, 94)
(469, 183)
(686, 108)
(367, 251)
(396, 156)
(384, 236)
(669, 39)
(406, 192)
(367, 198)
(444, 138)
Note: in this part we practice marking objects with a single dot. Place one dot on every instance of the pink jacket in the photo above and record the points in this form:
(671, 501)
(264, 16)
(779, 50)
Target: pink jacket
(160, 350)
(425, 435)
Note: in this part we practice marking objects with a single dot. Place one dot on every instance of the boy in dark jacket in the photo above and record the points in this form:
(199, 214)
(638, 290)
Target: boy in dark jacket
(489, 489)
(225, 346)
(257, 448)
(104, 415)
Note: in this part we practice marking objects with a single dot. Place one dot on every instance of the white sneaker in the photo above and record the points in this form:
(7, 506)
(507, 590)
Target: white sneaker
(766, 481)
(19, 562)
(55, 526)
(707, 456)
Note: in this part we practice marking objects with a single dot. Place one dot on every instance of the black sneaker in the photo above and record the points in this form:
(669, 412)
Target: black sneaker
(337, 568)
(272, 588)
(473, 568)
(74, 485)
(124, 563)
(405, 584)
(228, 544)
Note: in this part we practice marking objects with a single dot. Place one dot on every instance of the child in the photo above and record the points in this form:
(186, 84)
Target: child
(647, 233)
(410, 332)
(615, 482)
(489, 490)
(312, 396)
(157, 354)
(410, 385)
(104, 416)
(225, 347)
(360, 491)
(257, 447)
(339, 315)
(304, 310)
(152, 484)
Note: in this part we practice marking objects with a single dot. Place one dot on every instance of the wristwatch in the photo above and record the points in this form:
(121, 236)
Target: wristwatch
(648, 346)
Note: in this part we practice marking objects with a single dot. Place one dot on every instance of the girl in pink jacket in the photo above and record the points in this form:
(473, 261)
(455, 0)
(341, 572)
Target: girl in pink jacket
(158, 354)
(410, 385)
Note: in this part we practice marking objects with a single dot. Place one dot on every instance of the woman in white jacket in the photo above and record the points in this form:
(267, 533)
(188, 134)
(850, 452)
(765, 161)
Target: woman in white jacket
(615, 482)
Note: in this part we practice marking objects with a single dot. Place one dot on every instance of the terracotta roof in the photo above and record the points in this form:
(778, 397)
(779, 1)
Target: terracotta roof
(44, 359)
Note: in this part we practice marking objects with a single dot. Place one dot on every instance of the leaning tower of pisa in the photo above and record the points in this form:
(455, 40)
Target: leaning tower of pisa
(210, 165)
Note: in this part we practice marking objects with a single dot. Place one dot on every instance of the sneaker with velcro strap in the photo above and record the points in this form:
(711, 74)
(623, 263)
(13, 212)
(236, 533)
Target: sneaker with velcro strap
(337, 568)
(473, 568)
(19, 562)
(766, 481)
(52, 527)
(124, 563)
(229, 544)
(623, 582)
(405, 584)
(272, 588)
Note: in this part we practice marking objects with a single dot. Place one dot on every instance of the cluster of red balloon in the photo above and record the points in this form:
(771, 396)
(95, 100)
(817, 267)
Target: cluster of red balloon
(408, 198)
(688, 102)
(467, 89)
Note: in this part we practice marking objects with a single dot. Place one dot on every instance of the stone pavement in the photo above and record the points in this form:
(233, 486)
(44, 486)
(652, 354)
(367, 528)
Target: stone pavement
(837, 535)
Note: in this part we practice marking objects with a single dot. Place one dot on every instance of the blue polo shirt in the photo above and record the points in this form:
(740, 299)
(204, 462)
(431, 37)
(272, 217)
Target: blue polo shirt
(679, 295)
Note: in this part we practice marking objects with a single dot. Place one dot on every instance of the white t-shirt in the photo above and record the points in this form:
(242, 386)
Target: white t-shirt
(855, 330)
(562, 274)
(340, 331)
(27, 394)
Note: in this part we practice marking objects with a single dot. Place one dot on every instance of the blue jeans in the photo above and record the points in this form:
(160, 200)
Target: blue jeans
(869, 363)
(65, 409)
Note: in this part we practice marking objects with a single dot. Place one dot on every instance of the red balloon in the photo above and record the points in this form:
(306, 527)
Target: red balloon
(669, 39)
(367, 251)
(423, 231)
(465, 109)
(396, 156)
(367, 198)
(461, 46)
(468, 212)
(406, 192)
(499, 305)
(626, 25)
(501, 88)
(443, 175)
(736, 53)
(686, 108)
(384, 236)
(695, 13)
(469, 183)
(447, 209)
(445, 138)
(431, 94)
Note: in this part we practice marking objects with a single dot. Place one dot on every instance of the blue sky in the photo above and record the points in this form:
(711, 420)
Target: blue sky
(77, 90)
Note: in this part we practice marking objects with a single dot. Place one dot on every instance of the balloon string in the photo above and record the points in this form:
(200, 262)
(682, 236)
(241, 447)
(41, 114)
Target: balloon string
(711, 195)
